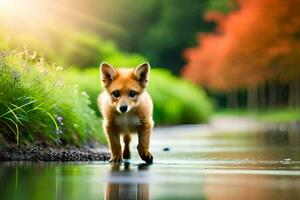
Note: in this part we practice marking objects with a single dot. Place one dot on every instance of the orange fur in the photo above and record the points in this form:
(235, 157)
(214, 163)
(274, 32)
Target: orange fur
(126, 108)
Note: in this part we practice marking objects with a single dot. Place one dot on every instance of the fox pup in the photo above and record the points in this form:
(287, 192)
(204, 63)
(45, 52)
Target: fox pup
(126, 108)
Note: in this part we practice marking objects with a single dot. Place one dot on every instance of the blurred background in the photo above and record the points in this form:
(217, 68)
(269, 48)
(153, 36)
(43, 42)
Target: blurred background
(229, 67)
(209, 57)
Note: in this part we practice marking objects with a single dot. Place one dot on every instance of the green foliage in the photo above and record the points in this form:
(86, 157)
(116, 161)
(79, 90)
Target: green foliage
(222, 6)
(158, 29)
(36, 106)
(176, 29)
(80, 49)
(175, 101)
(84, 49)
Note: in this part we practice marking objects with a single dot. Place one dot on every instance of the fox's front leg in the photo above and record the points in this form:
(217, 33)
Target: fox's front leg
(144, 132)
(114, 144)
(126, 151)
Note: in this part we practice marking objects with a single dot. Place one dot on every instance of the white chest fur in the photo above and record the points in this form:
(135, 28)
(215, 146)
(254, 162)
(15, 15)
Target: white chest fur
(127, 121)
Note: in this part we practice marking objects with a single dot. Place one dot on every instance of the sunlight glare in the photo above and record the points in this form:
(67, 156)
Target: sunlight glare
(25, 16)
(4, 4)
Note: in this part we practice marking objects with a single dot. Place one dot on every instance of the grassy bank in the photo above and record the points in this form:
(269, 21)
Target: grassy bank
(175, 101)
(36, 106)
(46, 104)
(270, 115)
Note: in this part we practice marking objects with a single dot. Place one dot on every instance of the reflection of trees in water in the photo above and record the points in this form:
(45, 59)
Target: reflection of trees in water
(117, 188)
(273, 145)
(283, 135)
(246, 186)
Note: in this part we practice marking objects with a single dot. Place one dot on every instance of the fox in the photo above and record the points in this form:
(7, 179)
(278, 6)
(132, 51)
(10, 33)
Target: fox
(126, 108)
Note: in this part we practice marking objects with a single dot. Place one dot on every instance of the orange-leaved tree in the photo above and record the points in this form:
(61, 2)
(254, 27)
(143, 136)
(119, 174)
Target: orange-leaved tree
(257, 42)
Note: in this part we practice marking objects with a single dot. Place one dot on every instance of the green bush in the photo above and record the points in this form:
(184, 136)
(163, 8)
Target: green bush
(36, 106)
(176, 101)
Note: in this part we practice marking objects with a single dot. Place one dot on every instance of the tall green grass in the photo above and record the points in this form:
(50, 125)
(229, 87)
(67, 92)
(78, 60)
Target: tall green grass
(176, 101)
(36, 106)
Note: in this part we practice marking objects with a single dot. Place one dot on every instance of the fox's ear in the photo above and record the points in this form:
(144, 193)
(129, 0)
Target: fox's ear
(142, 73)
(108, 74)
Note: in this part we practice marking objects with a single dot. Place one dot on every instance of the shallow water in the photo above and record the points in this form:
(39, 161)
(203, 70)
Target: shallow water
(197, 166)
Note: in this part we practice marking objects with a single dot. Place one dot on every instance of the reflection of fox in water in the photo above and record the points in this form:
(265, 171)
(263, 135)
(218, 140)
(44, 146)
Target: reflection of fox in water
(126, 107)
(131, 190)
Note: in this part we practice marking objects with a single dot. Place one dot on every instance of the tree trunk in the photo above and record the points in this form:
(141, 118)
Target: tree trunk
(252, 98)
(297, 93)
(232, 99)
(272, 94)
(262, 96)
(294, 94)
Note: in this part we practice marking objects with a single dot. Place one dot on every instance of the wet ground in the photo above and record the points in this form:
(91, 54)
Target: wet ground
(191, 162)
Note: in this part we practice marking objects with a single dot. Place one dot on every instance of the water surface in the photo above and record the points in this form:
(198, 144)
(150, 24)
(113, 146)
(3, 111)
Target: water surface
(195, 166)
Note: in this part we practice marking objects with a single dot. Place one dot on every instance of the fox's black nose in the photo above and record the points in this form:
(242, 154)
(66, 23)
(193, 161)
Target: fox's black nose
(123, 108)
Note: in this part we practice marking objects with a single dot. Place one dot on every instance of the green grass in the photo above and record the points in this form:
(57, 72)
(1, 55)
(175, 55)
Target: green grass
(176, 101)
(279, 115)
(36, 106)
(268, 115)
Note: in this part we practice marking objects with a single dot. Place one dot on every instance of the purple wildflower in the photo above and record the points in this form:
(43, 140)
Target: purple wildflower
(60, 120)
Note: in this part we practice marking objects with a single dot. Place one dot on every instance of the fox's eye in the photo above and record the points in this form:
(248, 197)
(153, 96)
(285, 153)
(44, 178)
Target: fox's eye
(116, 93)
(132, 93)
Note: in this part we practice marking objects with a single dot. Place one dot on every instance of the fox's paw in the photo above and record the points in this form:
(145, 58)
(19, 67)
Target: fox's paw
(116, 159)
(147, 157)
(126, 153)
